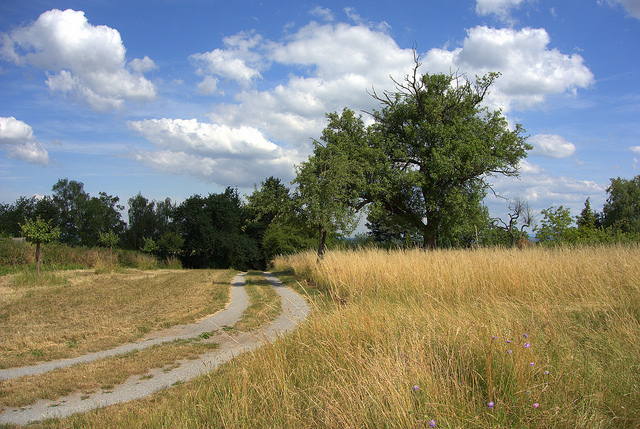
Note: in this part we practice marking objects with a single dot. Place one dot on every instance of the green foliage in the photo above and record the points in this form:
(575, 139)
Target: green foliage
(39, 231)
(285, 239)
(150, 246)
(439, 146)
(170, 244)
(330, 180)
(81, 217)
(108, 239)
(271, 212)
(588, 218)
(212, 230)
(621, 211)
(554, 227)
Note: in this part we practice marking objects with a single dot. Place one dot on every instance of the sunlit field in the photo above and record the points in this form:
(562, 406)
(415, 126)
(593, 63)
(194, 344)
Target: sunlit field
(452, 338)
(63, 314)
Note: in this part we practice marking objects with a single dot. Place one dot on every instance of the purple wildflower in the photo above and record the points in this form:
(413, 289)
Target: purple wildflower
(532, 363)
(415, 387)
(508, 341)
(432, 423)
(490, 404)
(525, 335)
(527, 345)
(493, 338)
(509, 351)
(536, 405)
(546, 373)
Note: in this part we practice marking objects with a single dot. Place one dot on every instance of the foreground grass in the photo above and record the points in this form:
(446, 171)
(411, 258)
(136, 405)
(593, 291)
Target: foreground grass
(67, 314)
(490, 338)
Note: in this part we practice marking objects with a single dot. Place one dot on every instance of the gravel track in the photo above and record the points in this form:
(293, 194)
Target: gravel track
(294, 310)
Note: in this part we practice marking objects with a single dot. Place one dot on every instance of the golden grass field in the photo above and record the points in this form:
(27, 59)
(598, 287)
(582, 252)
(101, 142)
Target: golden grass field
(457, 338)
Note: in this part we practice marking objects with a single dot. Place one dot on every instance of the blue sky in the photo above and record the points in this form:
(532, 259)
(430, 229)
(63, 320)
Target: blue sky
(174, 98)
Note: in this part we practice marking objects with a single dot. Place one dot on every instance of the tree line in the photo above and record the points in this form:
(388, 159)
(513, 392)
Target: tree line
(220, 230)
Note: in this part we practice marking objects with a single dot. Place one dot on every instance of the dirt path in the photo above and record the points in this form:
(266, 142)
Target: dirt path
(294, 310)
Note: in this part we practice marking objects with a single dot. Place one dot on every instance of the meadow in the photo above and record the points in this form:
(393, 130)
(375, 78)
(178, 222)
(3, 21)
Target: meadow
(540, 337)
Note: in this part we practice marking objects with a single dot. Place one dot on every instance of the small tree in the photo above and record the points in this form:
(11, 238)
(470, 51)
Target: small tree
(39, 231)
(109, 239)
(150, 246)
(555, 225)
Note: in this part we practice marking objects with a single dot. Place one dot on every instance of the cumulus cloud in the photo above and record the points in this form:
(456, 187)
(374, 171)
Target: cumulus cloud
(551, 146)
(530, 69)
(500, 8)
(142, 65)
(631, 6)
(236, 62)
(17, 138)
(213, 152)
(334, 66)
(80, 59)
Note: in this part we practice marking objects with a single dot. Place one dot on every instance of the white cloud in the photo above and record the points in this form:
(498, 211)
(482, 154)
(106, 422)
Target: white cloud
(543, 189)
(635, 149)
(142, 65)
(631, 6)
(322, 13)
(525, 167)
(81, 59)
(530, 70)
(237, 62)
(334, 66)
(17, 138)
(499, 8)
(551, 146)
(211, 152)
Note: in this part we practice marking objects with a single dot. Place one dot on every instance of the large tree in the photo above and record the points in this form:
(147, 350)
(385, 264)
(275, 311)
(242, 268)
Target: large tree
(440, 146)
(425, 163)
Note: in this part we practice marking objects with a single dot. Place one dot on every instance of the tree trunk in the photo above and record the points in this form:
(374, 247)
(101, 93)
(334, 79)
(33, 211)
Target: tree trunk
(430, 238)
(38, 258)
(322, 243)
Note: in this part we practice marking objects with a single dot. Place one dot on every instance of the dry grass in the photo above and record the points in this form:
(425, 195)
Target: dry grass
(410, 338)
(68, 314)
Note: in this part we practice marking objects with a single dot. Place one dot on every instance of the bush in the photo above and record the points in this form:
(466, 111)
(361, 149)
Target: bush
(13, 252)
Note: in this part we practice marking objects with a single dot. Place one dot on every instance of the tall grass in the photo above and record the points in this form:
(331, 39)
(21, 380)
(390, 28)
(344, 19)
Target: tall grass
(488, 338)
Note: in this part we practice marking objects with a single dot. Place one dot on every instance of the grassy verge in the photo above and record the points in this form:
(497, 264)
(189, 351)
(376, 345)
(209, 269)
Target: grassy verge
(264, 303)
(490, 338)
(67, 314)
